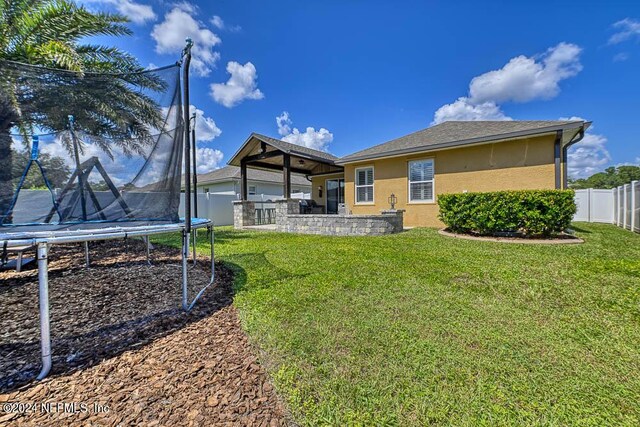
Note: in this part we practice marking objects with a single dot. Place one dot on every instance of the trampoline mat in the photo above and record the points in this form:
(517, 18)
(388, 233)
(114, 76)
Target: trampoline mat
(44, 231)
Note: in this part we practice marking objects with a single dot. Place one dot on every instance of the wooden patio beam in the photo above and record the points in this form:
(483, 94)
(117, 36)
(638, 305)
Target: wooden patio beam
(262, 156)
(269, 166)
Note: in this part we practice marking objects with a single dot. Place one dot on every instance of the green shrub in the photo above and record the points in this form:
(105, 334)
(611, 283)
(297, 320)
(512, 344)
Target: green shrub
(528, 212)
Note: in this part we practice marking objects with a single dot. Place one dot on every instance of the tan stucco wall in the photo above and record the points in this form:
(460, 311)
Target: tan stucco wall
(320, 180)
(511, 165)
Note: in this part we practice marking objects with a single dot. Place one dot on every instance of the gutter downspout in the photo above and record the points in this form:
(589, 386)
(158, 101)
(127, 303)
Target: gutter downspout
(556, 158)
(565, 175)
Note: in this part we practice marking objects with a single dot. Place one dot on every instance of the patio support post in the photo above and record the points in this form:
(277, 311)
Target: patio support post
(243, 180)
(565, 172)
(286, 172)
(556, 155)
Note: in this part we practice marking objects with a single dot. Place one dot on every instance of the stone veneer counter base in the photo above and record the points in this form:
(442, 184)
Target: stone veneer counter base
(342, 225)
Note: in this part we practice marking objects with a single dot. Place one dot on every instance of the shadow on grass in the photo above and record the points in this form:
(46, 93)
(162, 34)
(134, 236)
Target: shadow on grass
(270, 274)
(224, 235)
(580, 229)
(102, 312)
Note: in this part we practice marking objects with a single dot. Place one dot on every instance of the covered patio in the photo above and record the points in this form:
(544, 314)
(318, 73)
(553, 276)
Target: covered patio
(263, 152)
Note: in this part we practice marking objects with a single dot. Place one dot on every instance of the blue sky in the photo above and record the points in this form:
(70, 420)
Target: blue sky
(351, 74)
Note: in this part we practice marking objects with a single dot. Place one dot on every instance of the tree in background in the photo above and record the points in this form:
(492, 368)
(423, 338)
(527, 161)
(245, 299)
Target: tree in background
(612, 177)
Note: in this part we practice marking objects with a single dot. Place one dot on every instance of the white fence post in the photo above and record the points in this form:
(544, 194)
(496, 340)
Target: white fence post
(634, 202)
(619, 207)
(625, 208)
(614, 191)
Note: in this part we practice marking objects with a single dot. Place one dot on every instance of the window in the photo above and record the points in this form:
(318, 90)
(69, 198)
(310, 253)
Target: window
(421, 180)
(206, 189)
(252, 190)
(364, 185)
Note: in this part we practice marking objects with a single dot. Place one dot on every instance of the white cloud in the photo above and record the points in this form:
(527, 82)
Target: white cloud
(621, 57)
(522, 79)
(206, 128)
(311, 138)
(180, 23)
(241, 85)
(185, 6)
(208, 159)
(219, 23)
(464, 109)
(136, 12)
(625, 29)
(284, 124)
(589, 155)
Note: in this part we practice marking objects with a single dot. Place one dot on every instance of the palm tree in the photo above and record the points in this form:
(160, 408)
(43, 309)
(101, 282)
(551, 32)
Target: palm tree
(115, 106)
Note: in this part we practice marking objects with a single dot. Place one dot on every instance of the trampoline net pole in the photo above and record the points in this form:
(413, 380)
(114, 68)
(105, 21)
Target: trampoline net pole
(213, 263)
(185, 256)
(195, 165)
(43, 296)
(193, 240)
(146, 240)
(187, 136)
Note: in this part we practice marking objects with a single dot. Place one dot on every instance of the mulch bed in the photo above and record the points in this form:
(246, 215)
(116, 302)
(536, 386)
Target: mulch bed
(562, 239)
(120, 340)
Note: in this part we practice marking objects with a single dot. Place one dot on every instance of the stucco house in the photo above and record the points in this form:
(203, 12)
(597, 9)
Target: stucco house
(226, 180)
(450, 157)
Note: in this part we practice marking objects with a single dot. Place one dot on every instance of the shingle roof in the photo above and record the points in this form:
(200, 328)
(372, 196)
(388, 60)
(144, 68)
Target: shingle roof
(454, 133)
(229, 173)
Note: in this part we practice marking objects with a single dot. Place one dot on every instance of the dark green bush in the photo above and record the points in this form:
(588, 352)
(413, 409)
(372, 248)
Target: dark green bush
(527, 212)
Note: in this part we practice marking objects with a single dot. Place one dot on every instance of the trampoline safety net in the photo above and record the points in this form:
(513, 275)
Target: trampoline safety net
(86, 148)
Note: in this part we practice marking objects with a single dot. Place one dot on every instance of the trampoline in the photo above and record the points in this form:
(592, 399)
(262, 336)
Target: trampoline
(95, 156)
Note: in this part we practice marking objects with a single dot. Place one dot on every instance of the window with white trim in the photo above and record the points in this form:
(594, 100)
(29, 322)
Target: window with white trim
(364, 185)
(252, 190)
(421, 180)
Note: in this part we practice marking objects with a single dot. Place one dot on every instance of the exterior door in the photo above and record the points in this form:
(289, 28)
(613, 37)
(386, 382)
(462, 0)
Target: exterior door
(335, 194)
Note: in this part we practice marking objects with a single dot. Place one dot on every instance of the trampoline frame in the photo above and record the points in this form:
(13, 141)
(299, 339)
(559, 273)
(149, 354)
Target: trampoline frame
(44, 240)
(188, 226)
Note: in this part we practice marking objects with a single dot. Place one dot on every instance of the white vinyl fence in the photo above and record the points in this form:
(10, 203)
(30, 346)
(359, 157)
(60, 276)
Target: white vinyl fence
(219, 207)
(620, 206)
(627, 206)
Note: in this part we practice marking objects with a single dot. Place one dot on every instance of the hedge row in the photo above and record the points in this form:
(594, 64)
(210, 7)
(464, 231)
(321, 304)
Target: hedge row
(527, 212)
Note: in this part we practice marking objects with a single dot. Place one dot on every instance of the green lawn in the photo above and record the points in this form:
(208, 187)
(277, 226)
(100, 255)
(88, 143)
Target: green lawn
(419, 329)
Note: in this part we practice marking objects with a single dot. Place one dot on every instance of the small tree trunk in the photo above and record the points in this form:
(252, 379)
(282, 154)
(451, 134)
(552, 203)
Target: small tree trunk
(7, 118)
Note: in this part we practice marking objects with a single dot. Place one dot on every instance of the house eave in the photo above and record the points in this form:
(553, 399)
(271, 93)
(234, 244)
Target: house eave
(465, 142)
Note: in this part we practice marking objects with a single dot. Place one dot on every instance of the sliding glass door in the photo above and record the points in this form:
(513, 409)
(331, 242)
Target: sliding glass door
(335, 194)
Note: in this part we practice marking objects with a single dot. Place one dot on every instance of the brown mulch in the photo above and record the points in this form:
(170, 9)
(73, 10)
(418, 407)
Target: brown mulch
(560, 239)
(124, 352)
